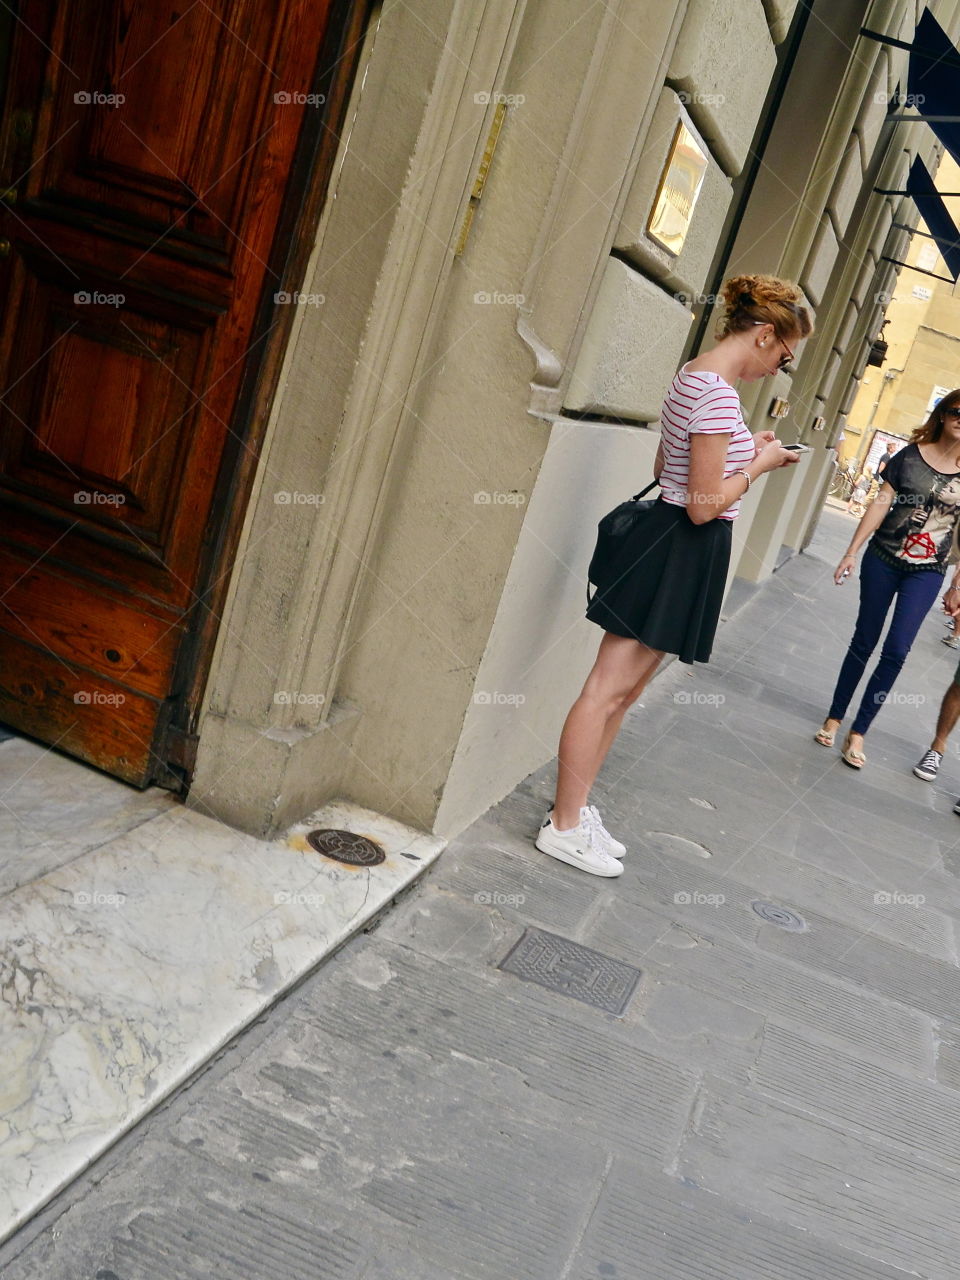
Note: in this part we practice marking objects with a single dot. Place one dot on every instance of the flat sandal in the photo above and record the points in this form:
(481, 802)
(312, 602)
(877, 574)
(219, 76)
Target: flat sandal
(855, 759)
(826, 737)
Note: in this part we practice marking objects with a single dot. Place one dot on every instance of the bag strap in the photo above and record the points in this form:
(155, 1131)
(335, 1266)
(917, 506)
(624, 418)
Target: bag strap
(652, 485)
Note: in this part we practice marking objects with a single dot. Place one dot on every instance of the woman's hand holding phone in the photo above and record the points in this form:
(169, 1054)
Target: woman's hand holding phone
(844, 569)
(774, 455)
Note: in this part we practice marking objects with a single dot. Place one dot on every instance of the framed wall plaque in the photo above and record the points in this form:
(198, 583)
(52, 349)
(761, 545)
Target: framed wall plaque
(677, 193)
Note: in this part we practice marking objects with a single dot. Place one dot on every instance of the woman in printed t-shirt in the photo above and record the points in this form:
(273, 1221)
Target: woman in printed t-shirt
(912, 520)
(669, 578)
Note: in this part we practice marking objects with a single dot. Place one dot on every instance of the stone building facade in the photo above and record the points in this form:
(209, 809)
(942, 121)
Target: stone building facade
(411, 633)
(923, 342)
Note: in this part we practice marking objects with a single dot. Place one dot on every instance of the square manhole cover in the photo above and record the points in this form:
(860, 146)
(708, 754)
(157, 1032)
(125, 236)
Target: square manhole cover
(561, 965)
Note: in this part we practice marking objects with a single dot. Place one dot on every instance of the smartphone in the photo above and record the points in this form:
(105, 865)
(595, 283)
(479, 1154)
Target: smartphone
(797, 448)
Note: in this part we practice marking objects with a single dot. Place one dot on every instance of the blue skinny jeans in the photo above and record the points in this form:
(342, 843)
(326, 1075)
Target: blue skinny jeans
(915, 591)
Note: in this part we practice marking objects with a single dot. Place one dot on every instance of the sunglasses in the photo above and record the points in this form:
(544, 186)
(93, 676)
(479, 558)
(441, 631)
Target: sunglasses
(952, 412)
(788, 356)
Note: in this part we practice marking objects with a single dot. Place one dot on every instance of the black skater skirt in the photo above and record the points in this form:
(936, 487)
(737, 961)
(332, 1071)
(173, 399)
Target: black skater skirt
(666, 587)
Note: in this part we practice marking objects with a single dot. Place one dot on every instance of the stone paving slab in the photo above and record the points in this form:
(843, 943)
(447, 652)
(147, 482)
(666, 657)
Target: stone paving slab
(873, 963)
(877, 907)
(788, 994)
(673, 1020)
(592, 1069)
(649, 1225)
(770, 1104)
(810, 1173)
(922, 1117)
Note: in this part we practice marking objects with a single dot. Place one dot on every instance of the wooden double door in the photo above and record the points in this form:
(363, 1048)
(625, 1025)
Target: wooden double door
(162, 168)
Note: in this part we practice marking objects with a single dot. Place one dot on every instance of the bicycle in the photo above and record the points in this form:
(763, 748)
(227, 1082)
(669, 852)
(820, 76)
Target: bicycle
(841, 486)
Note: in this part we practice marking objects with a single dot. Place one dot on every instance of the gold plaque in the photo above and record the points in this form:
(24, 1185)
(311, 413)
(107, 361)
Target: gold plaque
(679, 187)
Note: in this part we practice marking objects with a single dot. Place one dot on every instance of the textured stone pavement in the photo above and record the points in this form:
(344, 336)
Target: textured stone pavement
(773, 1104)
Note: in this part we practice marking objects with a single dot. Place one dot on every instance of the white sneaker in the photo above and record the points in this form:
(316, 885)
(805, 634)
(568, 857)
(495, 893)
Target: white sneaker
(606, 841)
(612, 846)
(580, 848)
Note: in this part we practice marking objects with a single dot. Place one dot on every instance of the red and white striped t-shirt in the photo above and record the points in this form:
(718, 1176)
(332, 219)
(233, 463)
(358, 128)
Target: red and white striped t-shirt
(700, 402)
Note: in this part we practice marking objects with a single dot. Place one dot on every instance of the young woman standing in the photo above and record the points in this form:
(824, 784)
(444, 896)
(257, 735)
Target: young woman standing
(911, 526)
(671, 575)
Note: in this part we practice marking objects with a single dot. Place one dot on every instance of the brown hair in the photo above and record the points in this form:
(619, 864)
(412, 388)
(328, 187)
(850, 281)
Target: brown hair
(755, 299)
(932, 429)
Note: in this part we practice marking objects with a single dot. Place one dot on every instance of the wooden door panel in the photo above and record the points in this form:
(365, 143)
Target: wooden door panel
(42, 607)
(149, 155)
(134, 162)
(56, 701)
(101, 428)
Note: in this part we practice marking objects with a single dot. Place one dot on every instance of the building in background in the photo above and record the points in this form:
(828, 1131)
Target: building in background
(922, 361)
(503, 229)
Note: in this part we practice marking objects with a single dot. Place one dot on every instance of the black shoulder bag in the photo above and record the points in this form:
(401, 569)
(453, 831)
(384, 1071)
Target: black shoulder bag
(612, 533)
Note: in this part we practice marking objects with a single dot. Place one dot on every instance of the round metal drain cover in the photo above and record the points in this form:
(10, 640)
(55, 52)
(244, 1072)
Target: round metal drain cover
(346, 846)
(782, 917)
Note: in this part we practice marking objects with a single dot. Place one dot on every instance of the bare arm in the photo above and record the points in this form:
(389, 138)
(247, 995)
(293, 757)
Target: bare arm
(709, 495)
(872, 518)
(870, 522)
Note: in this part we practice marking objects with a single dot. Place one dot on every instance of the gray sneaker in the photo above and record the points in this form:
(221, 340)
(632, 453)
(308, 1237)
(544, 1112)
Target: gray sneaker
(929, 766)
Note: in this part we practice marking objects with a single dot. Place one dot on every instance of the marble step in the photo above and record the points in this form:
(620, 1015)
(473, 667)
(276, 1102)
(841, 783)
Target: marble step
(125, 970)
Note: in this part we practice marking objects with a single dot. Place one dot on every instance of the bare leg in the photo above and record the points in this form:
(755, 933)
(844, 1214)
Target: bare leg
(621, 670)
(616, 720)
(947, 719)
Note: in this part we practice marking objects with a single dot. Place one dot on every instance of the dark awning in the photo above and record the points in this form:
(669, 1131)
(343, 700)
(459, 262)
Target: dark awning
(932, 78)
(935, 214)
(932, 81)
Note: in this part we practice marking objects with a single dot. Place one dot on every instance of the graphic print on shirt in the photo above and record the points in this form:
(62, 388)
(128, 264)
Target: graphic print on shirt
(919, 529)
